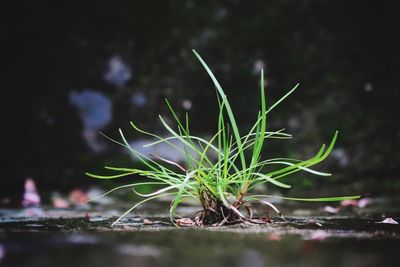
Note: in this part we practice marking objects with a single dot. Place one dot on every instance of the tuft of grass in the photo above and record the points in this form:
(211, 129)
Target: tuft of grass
(220, 173)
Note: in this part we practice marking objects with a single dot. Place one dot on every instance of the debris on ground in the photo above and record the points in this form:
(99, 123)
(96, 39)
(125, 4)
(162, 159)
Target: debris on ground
(273, 236)
(361, 203)
(31, 196)
(389, 221)
(330, 209)
(59, 202)
(319, 235)
(77, 197)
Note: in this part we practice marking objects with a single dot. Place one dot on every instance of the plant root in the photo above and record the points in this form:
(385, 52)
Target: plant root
(223, 215)
(216, 213)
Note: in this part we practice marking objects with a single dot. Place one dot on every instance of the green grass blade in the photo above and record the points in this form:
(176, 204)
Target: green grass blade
(320, 199)
(122, 187)
(136, 205)
(227, 107)
(105, 177)
(267, 178)
(178, 195)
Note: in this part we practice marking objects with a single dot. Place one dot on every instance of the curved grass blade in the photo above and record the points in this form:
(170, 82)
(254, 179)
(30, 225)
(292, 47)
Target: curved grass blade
(178, 195)
(265, 178)
(122, 187)
(226, 105)
(136, 205)
(320, 199)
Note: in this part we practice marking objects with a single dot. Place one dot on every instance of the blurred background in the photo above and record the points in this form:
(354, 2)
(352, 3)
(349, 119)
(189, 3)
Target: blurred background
(72, 69)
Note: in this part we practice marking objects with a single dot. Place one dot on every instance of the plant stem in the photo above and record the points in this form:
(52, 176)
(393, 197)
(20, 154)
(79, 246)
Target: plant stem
(242, 192)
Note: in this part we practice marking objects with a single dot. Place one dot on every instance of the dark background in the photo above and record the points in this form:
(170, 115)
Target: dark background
(344, 54)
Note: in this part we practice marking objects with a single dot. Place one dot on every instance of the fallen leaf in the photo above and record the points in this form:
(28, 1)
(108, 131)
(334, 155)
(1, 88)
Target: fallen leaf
(185, 222)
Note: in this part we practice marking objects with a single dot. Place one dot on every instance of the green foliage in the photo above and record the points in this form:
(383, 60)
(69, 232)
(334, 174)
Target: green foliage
(220, 172)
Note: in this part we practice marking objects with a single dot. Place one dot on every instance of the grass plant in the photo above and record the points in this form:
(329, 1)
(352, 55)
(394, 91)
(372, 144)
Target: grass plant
(220, 173)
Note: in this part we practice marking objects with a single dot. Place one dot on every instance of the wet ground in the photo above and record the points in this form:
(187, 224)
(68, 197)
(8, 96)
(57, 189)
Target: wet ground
(69, 237)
